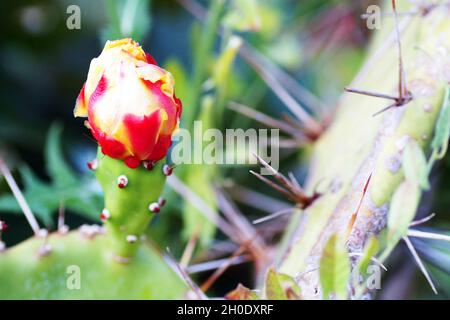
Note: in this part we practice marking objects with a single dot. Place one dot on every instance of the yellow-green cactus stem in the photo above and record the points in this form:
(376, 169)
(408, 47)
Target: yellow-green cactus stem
(132, 199)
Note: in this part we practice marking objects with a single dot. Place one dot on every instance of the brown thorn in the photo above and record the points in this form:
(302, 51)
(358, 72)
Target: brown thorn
(371, 94)
(263, 118)
(310, 135)
(220, 271)
(256, 200)
(297, 195)
(423, 220)
(401, 72)
(215, 264)
(283, 191)
(277, 175)
(183, 274)
(257, 247)
(189, 249)
(355, 214)
(384, 109)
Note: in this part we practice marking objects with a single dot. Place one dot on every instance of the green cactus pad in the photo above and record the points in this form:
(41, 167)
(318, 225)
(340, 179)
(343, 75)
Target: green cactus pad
(25, 274)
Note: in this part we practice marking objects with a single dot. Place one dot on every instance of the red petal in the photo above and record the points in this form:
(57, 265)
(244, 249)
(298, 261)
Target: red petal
(100, 89)
(161, 148)
(150, 59)
(110, 146)
(132, 162)
(143, 133)
(167, 103)
(179, 105)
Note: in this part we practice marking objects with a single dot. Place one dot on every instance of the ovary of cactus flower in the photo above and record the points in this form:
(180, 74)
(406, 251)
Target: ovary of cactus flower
(130, 104)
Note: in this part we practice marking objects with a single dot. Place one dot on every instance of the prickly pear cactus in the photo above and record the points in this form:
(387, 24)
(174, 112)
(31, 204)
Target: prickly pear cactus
(361, 157)
(369, 167)
(80, 265)
(115, 260)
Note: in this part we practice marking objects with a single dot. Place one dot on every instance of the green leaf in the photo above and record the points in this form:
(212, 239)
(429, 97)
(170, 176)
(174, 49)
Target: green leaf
(9, 203)
(57, 167)
(442, 130)
(279, 286)
(402, 211)
(199, 177)
(334, 268)
(79, 194)
(415, 165)
(274, 289)
(224, 62)
(242, 293)
(370, 250)
(290, 286)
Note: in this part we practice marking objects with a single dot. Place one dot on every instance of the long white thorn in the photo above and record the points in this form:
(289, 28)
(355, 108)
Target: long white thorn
(274, 215)
(428, 235)
(19, 197)
(420, 263)
(215, 264)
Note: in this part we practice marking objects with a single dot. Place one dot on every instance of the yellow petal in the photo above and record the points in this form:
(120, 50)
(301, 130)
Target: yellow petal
(154, 74)
(129, 46)
(81, 105)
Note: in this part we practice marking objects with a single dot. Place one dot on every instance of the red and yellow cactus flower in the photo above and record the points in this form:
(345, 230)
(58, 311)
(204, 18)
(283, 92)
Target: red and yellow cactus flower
(130, 104)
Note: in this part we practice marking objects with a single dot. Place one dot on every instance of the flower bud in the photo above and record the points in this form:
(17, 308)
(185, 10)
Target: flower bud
(130, 104)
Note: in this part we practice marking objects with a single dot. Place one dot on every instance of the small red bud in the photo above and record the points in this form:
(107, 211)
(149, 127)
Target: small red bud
(154, 207)
(93, 164)
(122, 181)
(167, 170)
(105, 215)
(149, 164)
(161, 202)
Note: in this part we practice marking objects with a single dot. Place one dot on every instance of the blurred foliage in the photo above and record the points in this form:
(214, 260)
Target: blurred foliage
(66, 188)
(127, 19)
